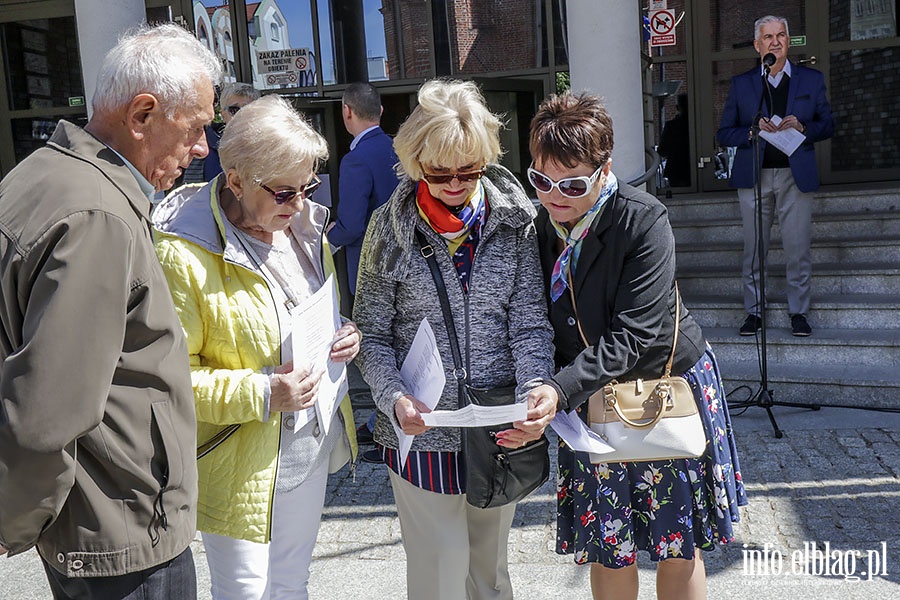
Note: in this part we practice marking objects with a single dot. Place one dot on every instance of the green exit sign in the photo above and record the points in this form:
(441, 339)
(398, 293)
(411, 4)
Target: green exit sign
(798, 40)
(76, 101)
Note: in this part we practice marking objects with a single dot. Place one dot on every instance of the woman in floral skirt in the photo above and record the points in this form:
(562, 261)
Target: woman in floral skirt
(608, 251)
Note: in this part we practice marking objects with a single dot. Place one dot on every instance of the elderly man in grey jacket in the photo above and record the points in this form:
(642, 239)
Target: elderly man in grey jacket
(97, 427)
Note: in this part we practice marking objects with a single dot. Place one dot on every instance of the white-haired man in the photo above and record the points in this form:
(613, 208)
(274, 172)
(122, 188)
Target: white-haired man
(796, 94)
(97, 426)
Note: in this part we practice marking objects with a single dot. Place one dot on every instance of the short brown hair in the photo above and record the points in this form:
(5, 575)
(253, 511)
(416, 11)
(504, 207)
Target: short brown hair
(570, 129)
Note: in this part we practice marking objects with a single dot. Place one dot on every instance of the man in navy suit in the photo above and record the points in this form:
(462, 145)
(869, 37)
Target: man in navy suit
(367, 177)
(797, 95)
(367, 180)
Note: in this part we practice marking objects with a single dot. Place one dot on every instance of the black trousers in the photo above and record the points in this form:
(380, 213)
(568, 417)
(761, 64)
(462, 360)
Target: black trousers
(173, 580)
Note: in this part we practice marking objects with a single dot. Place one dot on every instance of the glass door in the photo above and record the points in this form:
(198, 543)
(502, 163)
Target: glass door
(40, 77)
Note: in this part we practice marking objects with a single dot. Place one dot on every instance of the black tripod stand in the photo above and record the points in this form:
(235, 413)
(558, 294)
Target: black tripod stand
(764, 398)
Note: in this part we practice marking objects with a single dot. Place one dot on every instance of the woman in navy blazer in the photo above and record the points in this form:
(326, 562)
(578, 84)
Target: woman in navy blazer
(608, 258)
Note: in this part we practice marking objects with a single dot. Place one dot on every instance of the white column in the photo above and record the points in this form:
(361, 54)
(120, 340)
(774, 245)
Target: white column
(605, 59)
(100, 23)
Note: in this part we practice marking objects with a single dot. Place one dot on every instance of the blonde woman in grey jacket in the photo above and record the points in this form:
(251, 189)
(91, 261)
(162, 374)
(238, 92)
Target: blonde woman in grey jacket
(478, 219)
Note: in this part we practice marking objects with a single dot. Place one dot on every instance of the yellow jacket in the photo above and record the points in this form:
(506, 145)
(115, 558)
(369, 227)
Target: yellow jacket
(229, 317)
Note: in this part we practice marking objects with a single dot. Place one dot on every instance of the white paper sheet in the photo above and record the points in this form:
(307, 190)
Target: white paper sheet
(472, 415)
(577, 435)
(314, 325)
(787, 140)
(422, 372)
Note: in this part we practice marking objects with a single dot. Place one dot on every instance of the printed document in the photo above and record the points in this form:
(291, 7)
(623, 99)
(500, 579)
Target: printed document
(422, 372)
(314, 324)
(577, 435)
(787, 140)
(472, 415)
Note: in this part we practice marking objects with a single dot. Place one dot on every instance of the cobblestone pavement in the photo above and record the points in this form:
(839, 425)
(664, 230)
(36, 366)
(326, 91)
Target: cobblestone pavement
(833, 478)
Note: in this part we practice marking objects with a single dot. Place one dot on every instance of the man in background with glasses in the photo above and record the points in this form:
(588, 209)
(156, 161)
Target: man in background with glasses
(233, 98)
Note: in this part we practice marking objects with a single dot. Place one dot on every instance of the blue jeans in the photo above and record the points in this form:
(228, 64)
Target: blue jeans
(173, 580)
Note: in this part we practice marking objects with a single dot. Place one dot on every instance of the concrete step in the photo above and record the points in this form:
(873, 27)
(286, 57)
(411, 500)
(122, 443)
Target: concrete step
(827, 384)
(725, 205)
(831, 226)
(837, 250)
(829, 311)
(847, 346)
(828, 278)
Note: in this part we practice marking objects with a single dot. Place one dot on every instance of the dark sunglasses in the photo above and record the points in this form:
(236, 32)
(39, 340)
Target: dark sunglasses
(462, 177)
(285, 196)
(233, 109)
(570, 187)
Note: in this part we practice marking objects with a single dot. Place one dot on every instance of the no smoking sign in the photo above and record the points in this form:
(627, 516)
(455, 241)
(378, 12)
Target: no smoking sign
(662, 28)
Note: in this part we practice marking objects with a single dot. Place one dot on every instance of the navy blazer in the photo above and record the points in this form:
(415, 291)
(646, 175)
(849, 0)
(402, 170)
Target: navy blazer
(367, 180)
(806, 101)
(625, 296)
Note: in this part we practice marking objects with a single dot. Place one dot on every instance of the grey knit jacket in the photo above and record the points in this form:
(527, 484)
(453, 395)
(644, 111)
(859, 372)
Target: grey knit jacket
(503, 315)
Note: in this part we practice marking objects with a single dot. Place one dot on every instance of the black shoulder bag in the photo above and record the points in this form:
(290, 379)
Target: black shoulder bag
(495, 476)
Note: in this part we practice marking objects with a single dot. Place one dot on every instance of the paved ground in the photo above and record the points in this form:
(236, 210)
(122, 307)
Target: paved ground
(834, 477)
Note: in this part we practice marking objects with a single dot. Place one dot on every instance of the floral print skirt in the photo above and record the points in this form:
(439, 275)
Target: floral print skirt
(607, 512)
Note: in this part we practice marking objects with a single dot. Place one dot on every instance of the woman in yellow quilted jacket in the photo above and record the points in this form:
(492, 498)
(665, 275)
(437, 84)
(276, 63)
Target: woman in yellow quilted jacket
(240, 254)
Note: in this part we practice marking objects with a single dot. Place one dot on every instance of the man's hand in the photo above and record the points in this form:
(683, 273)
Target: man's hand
(790, 122)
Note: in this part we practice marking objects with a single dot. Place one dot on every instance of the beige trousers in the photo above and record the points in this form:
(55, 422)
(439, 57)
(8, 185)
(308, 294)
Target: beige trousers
(454, 551)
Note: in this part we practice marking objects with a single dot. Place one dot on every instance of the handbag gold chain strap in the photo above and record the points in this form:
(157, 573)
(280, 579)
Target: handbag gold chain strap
(663, 389)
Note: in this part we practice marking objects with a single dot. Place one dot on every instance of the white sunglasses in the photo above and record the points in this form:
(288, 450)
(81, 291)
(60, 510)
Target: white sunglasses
(570, 187)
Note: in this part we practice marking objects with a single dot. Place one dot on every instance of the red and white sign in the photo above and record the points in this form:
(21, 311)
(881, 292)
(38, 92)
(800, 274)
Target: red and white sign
(662, 28)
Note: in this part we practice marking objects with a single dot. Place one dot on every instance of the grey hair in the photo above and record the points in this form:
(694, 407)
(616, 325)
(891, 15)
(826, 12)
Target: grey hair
(451, 126)
(163, 60)
(770, 19)
(239, 89)
(268, 139)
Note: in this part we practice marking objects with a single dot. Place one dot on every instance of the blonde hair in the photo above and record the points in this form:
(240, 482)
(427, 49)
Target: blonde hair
(451, 126)
(268, 139)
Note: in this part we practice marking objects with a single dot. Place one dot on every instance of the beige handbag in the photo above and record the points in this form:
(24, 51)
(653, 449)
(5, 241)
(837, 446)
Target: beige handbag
(646, 419)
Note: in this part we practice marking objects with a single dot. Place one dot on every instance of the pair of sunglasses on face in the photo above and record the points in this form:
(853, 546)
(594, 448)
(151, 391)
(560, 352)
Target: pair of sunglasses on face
(285, 196)
(570, 187)
(233, 109)
(461, 177)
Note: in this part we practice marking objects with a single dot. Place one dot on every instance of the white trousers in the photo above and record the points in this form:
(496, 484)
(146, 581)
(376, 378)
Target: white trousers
(279, 570)
(454, 551)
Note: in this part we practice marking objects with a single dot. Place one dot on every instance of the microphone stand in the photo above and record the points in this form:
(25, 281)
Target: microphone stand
(764, 398)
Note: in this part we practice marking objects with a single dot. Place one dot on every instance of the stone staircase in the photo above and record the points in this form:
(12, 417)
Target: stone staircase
(853, 355)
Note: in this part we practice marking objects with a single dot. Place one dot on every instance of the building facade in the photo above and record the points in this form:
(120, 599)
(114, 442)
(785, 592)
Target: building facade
(518, 50)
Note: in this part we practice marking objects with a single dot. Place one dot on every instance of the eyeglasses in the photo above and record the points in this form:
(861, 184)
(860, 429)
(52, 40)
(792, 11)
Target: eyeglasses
(570, 187)
(462, 177)
(233, 109)
(285, 196)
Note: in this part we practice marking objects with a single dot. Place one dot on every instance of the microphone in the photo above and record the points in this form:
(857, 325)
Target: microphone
(768, 60)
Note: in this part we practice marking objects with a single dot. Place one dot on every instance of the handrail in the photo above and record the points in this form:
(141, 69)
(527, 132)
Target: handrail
(656, 160)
